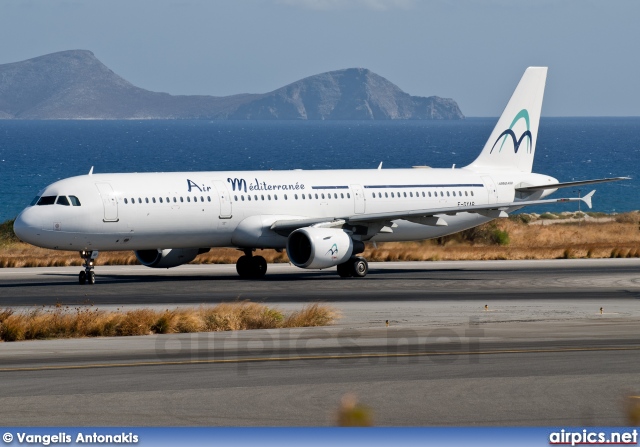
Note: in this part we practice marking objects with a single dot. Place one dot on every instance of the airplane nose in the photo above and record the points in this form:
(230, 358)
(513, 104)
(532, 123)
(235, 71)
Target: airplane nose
(26, 226)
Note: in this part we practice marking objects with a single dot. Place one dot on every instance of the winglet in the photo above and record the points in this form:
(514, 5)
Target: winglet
(91, 171)
(587, 199)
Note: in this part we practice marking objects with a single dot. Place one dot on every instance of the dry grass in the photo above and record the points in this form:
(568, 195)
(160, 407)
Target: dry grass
(65, 322)
(618, 237)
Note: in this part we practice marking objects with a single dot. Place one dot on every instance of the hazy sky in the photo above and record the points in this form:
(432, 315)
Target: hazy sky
(470, 50)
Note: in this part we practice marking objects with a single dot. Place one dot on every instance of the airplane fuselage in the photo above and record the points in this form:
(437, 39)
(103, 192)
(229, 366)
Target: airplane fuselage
(139, 211)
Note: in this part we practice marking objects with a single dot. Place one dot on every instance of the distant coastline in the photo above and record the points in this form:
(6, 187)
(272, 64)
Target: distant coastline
(75, 85)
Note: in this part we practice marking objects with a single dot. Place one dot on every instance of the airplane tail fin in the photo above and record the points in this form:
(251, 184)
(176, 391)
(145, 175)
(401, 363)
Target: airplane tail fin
(512, 143)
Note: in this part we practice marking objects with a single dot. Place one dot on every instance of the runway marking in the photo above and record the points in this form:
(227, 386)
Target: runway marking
(318, 357)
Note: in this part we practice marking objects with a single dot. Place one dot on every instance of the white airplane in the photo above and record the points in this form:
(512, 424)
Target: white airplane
(322, 218)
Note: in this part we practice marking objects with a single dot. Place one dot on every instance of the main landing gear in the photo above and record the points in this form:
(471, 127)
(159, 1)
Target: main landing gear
(356, 266)
(87, 275)
(252, 267)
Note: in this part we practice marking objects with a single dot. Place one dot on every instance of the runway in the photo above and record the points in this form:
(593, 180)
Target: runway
(540, 353)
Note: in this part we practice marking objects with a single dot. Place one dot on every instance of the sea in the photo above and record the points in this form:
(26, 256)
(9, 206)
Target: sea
(34, 154)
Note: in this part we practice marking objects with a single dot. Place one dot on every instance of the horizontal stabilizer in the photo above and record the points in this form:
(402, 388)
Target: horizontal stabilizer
(572, 184)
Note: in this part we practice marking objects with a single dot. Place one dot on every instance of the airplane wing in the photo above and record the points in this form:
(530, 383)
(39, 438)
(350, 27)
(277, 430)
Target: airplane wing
(429, 216)
(571, 184)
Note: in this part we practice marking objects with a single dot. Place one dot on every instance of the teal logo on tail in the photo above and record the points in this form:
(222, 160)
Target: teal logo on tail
(522, 115)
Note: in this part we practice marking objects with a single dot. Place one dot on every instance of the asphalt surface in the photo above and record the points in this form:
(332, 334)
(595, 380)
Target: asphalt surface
(468, 343)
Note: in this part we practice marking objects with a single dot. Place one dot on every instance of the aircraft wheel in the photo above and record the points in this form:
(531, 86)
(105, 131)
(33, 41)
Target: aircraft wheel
(344, 270)
(360, 267)
(82, 277)
(91, 278)
(243, 266)
(258, 267)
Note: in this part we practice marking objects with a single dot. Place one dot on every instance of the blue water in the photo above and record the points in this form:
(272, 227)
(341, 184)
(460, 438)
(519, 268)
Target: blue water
(36, 153)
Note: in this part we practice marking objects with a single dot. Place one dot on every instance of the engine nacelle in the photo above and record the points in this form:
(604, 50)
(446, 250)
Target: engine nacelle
(319, 248)
(169, 257)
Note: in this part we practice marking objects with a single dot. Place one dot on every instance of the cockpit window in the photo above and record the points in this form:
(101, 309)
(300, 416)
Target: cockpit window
(34, 201)
(47, 200)
(62, 200)
(74, 201)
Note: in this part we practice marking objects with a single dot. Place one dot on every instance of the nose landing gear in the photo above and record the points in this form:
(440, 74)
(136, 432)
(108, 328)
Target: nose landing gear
(87, 275)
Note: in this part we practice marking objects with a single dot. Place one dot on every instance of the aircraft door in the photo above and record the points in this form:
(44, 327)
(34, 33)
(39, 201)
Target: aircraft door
(490, 185)
(225, 199)
(109, 202)
(359, 199)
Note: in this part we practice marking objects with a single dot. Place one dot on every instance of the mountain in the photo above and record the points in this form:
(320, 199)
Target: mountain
(76, 85)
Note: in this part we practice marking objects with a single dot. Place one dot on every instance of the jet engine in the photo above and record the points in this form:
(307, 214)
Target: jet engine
(169, 257)
(319, 248)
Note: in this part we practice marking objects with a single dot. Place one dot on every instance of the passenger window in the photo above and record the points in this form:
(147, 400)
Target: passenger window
(261, 197)
(153, 199)
(392, 196)
(242, 197)
(47, 200)
(125, 201)
(139, 200)
(188, 199)
(441, 194)
(235, 198)
(275, 197)
(269, 196)
(209, 198)
(405, 194)
(342, 195)
(75, 202)
(160, 199)
(168, 200)
(471, 192)
(465, 193)
(181, 200)
(255, 197)
(335, 195)
(295, 196)
(410, 194)
(316, 196)
(146, 199)
(285, 197)
(348, 196)
(62, 200)
(454, 193)
(249, 197)
(175, 200)
(447, 193)
(386, 195)
(202, 198)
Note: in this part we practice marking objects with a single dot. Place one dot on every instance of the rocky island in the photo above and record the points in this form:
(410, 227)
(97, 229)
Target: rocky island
(76, 85)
